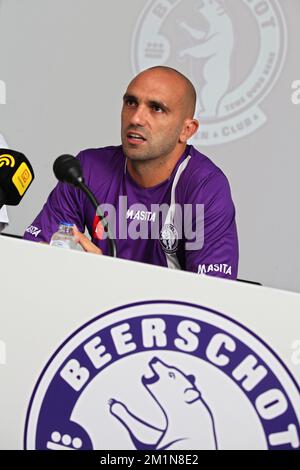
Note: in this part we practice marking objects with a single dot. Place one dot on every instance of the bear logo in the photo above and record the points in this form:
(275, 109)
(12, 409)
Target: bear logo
(215, 47)
(183, 407)
(168, 238)
(233, 52)
(123, 381)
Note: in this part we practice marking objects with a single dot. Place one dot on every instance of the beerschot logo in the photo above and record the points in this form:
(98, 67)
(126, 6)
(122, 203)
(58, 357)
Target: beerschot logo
(168, 238)
(232, 51)
(164, 375)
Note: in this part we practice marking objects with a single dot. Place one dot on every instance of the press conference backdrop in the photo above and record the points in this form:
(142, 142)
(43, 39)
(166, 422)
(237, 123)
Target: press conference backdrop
(64, 66)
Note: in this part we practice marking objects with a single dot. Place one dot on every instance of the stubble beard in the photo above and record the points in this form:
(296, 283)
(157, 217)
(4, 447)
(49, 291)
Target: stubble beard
(159, 151)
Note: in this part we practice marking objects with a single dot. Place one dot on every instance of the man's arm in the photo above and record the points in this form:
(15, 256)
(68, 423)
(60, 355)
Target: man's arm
(215, 229)
(64, 203)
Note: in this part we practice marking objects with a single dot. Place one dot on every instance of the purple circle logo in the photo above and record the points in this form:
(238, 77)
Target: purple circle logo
(163, 375)
(168, 238)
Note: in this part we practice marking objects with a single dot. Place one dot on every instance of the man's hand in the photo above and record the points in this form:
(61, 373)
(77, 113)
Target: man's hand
(86, 244)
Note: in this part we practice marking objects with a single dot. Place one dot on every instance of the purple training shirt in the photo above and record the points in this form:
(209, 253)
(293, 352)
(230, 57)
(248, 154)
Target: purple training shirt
(186, 222)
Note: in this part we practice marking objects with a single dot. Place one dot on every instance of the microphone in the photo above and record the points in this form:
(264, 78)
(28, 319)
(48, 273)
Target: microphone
(16, 175)
(67, 169)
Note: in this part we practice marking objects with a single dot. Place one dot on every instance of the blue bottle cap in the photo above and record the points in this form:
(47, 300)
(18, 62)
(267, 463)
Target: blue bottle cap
(66, 223)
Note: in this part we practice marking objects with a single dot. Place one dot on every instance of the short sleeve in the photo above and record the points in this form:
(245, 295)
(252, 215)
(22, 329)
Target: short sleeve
(64, 204)
(211, 242)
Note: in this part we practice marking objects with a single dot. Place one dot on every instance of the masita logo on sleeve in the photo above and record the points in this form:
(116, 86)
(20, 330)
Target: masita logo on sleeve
(163, 375)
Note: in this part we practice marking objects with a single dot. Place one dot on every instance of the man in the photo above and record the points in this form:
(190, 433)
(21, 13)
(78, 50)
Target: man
(155, 168)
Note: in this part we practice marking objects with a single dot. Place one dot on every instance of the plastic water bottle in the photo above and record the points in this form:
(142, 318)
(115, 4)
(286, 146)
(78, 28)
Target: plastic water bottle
(64, 237)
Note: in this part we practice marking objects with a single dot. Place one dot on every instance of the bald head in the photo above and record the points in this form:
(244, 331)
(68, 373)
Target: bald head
(180, 83)
(157, 118)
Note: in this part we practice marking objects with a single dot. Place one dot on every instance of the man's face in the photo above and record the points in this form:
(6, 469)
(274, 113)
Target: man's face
(152, 116)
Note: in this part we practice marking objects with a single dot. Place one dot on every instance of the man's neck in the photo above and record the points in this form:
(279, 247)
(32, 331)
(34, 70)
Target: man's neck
(153, 172)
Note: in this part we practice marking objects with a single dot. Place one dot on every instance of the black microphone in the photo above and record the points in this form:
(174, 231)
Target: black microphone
(67, 169)
(16, 175)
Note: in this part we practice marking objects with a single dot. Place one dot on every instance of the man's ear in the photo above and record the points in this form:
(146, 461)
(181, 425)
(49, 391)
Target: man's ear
(189, 128)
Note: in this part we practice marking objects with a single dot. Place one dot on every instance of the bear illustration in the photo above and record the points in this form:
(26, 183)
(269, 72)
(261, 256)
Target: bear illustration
(214, 47)
(189, 423)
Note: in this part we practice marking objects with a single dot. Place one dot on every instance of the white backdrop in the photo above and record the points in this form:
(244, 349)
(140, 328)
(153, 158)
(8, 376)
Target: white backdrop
(66, 64)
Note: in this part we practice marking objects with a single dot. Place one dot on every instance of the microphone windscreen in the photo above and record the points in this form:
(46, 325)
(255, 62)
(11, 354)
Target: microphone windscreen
(16, 175)
(67, 169)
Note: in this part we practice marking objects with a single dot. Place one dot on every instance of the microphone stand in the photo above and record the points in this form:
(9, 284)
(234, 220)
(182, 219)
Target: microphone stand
(68, 170)
(111, 242)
